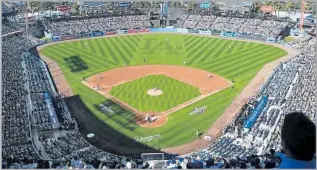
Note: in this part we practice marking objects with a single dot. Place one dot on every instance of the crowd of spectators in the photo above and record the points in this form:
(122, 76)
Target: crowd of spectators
(64, 27)
(245, 26)
(28, 129)
(8, 27)
(16, 139)
(248, 26)
(290, 88)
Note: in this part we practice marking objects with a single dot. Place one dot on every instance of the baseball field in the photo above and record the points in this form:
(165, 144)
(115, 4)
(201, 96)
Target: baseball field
(201, 63)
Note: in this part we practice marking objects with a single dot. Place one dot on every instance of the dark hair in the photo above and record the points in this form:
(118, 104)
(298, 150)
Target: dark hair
(227, 166)
(210, 162)
(252, 162)
(299, 136)
(243, 165)
(269, 165)
(257, 163)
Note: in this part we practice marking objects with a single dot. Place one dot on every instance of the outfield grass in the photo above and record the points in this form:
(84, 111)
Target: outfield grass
(211, 54)
(174, 93)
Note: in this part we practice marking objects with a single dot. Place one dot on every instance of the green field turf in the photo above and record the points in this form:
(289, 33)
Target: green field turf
(211, 54)
(174, 93)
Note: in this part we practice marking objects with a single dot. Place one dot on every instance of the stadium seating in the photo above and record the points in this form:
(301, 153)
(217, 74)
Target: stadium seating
(25, 81)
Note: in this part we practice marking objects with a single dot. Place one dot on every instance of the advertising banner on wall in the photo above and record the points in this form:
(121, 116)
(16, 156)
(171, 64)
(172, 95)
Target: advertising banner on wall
(181, 30)
(144, 30)
(251, 37)
(68, 37)
(110, 33)
(228, 34)
(163, 30)
(271, 40)
(256, 113)
(121, 31)
(193, 31)
(215, 32)
(84, 35)
(205, 32)
(97, 33)
(56, 38)
(130, 31)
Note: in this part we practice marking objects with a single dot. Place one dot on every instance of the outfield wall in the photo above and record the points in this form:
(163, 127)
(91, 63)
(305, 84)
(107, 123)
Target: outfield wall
(162, 30)
(172, 30)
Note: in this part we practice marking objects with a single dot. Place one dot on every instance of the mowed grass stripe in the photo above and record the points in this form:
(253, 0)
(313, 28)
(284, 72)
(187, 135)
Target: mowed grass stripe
(240, 65)
(228, 58)
(190, 43)
(115, 50)
(101, 48)
(88, 48)
(126, 49)
(134, 40)
(92, 61)
(96, 57)
(96, 62)
(207, 52)
(109, 49)
(131, 45)
(91, 45)
(121, 55)
(188, 39)
(236, 60)
(216, 104)
(256, 63)
(199, 53)
(98, 47)
(138, 37)
(215, 47)
(195, 47)
(226, 49)
(221, 47)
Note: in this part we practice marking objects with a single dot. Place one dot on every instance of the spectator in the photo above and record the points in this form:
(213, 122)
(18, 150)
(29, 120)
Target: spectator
(298, 142)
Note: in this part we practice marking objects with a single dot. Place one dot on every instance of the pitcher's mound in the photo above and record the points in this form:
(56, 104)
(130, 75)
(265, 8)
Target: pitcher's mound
(154, 92)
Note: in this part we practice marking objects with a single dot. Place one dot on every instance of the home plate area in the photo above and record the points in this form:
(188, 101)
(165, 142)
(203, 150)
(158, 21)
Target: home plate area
(123, 78)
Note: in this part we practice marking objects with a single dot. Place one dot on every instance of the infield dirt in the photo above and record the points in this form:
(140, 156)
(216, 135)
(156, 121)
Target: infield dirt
(208, 84)
(215, 130)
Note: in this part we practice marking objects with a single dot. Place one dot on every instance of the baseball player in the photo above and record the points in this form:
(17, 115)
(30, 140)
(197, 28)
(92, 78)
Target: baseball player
(197, 133)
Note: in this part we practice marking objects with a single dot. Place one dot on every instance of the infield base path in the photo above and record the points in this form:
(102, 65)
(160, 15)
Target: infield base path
(208, 84)
(215, 130)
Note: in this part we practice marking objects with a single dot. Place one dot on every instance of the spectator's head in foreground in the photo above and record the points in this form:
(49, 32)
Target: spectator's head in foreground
(298, 141)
